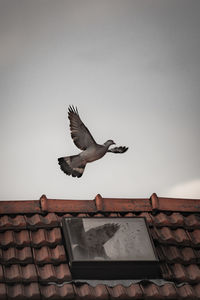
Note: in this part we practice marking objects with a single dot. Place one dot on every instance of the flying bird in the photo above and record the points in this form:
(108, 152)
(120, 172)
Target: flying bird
(75, 164)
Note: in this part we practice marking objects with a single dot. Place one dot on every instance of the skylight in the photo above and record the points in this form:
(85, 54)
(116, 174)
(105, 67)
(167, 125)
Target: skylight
(110, 248)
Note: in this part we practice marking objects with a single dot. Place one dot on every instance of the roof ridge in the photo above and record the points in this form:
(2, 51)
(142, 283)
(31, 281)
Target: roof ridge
(99, 204)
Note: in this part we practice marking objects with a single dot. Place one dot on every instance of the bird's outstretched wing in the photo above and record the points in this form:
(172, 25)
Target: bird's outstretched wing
(120, 149)
(80, 134)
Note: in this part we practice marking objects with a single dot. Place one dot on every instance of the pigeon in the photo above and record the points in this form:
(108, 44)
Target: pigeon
(74, 165)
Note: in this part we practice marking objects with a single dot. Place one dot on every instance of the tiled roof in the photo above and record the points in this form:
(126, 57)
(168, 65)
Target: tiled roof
(33, 263)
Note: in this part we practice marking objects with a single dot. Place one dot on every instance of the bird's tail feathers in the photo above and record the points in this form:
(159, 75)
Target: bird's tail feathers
(72, 165)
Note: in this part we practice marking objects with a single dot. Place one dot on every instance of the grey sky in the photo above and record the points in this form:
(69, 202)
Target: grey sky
(133, 70)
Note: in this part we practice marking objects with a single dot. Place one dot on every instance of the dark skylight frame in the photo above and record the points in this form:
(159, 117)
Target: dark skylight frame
(110, 248)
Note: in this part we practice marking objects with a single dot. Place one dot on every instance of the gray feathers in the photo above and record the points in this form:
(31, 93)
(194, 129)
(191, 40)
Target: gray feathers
(120, 149)
(66, 165)
(74, 165)
(80, 134)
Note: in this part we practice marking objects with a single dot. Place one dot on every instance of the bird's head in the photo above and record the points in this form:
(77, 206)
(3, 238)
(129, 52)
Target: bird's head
(109, 143)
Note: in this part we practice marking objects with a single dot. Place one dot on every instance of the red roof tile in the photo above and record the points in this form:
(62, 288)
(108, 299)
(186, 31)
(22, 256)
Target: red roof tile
(172, 204)
(14, 255)
(10, 238)
(38, 221)
(51, 273)
(152, 291)
(101, 292)
(45, 255)
(192, 221)
(168, 291)
(7, 222)
(100, 204)
(18, 273)
(195, 237)
(20, 291)
(170, 236)
(85, 292)
(187, 292)
(134, 291)
(33, 262)
(42, 237)
(118, 292)
(20, 207)
(117, 205)
(3, 292)
(49, 292)
(184, 255)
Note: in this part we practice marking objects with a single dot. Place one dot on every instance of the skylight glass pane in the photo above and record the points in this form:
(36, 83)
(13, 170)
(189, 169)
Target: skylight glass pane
(110, 245)
(110, 239)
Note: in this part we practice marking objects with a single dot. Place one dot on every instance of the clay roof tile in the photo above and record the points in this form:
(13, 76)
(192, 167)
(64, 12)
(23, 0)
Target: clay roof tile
(34, 263)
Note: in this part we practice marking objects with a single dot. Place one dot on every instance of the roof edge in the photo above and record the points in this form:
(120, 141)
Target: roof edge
(100, 204)
(175, 204)
(18, 207)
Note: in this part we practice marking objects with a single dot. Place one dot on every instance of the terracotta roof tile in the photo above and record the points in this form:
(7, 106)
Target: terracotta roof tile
(42, 237)
(187, 292)
(176, 219)
(14, 255)
(179, 273)
(192, 221)
(99, 215)
(175, 204)
(166, 271)
(63, 206)
(134, 291)
(168, 291)
(172, 236)
(18, 273)
(33, 259)
(51, 273)
(3, 295)
(195, 237)
(85, 292)
(162, 219)
(45, 255)
(117, 205)
(173, 220)
(38, 238)
(174, 254)
(117, 292)
(152, 291)
(20, 207)
(181, 236)
(7, 222)
(101, 292)
(100, 204)
(10, 238)
(20, 291)
(148, 217)
(193, 273)
(40, 221)
(36, 220)
(188, 255)
(165, 235)
(53, 292)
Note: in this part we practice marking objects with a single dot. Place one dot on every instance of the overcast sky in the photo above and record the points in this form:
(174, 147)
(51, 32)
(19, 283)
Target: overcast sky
(133, 70)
